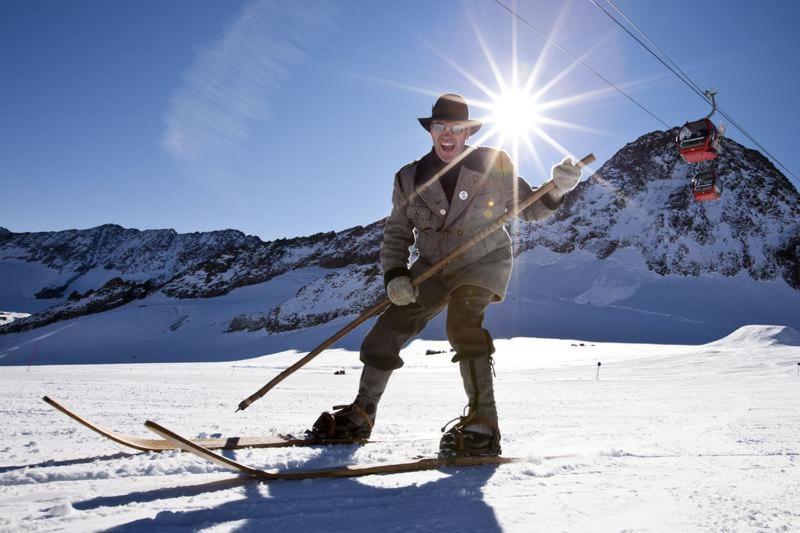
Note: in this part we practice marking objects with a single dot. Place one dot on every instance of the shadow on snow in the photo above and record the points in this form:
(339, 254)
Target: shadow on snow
(452, 502)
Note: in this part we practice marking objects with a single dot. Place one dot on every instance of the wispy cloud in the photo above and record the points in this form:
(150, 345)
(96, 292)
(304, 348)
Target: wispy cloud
(227, 88)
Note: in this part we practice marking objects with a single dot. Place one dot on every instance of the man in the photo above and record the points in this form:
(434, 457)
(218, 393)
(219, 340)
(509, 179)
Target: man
(439, 202)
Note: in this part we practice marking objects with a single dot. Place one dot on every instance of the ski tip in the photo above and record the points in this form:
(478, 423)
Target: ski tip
(156, 427)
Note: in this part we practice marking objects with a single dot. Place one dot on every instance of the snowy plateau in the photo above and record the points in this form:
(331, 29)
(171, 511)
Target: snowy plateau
(690, 423)
(669, 438)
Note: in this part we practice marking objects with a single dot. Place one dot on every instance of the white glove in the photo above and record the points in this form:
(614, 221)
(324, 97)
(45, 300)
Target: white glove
(566, 175)
(400, 291)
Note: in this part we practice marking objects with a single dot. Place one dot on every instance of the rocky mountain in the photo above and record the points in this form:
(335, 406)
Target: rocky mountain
(639, 199)
(121, 265)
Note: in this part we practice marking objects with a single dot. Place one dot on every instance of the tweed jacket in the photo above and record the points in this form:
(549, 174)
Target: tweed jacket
(421, 216)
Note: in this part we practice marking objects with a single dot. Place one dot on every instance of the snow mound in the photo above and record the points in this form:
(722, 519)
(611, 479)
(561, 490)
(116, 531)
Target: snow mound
(7, 317)
(761, 335)
(60, 510)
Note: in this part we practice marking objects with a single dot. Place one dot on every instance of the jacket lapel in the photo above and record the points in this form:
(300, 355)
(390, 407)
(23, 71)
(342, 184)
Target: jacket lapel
(433, 195)
(469, 183)
(430, 190)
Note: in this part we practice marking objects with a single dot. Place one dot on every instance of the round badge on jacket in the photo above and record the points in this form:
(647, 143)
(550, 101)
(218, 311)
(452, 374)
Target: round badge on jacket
(463, 195)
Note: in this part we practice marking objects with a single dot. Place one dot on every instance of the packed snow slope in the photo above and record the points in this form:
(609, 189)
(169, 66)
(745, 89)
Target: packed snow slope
(629, 257)
(669, 438)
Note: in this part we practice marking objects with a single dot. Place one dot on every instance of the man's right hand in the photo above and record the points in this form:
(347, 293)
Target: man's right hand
(400, 291)
(566, 175)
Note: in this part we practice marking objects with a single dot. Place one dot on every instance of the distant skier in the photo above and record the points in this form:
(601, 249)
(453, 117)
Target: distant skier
(439, 202)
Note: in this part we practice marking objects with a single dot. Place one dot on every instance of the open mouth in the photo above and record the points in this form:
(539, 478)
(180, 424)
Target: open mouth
(447, 147)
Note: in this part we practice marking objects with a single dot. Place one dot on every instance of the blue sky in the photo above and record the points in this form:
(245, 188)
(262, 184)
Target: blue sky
(286, 119)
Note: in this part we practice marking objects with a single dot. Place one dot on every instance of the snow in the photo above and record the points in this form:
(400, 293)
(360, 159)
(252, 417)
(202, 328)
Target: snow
(96, 277)
(568, 296)
(760, 336)
(7, 317)
(670, 438)
(691, 423)
(538, 255)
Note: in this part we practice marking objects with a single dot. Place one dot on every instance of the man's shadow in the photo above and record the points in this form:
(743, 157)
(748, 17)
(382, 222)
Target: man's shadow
(453, 501)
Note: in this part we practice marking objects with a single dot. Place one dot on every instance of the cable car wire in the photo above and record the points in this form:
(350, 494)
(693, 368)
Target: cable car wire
(593, 71)
(662, 52)
(681, 75)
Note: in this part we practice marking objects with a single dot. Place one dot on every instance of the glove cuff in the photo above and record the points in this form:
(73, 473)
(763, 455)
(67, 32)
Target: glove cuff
(395, 273)
(553, 199)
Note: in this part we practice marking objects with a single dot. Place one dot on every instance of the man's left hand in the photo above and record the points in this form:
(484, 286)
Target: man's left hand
(566, 175)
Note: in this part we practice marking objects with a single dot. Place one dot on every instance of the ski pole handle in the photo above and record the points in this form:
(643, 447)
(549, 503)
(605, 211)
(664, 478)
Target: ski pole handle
(374, 310)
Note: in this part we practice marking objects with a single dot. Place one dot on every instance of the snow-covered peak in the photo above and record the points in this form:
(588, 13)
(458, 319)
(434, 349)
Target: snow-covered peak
(640, 198)
(131, 252)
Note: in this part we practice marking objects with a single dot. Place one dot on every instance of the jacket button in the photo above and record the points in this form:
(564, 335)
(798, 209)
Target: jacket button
(461, 258)
(442, 212)
(460, 232)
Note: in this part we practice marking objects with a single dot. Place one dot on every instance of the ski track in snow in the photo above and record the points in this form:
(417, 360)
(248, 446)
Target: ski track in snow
(670, 438)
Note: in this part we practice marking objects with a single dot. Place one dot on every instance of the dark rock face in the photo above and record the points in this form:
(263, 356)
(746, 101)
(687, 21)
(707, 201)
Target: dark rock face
(639, 198)
(114, 293)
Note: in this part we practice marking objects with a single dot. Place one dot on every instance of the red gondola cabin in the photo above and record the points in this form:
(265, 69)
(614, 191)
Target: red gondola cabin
(698, 141)
(705, 187)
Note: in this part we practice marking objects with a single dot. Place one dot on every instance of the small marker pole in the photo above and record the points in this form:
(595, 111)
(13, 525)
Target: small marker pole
(798, 368)
(597, 377)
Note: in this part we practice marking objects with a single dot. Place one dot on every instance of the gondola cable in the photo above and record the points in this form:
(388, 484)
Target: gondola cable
(593, 71)
(662, 52)
(684, 77)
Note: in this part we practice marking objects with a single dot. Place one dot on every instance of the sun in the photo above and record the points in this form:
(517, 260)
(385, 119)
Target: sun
(519, 109)
(515, 113)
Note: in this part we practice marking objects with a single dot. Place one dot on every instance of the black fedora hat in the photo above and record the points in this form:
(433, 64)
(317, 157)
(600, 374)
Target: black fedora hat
(451, 107)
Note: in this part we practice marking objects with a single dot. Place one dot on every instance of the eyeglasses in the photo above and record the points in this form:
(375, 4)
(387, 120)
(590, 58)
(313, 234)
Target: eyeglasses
(455, 129)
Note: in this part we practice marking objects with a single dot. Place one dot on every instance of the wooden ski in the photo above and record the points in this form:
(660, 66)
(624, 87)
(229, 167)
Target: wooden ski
(158, 445)
(336, 472)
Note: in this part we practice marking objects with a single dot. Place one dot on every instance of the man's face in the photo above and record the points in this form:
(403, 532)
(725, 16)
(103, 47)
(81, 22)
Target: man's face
(447, 144)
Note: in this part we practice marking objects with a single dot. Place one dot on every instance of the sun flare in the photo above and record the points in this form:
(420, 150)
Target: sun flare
(515, 113)
(520, 110)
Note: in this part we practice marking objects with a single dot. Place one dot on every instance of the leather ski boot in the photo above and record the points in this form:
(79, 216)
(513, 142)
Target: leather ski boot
(476, 433)
(470, 436)
(354, 422)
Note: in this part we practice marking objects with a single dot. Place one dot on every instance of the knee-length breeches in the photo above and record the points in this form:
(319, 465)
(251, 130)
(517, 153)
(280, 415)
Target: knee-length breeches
(466, 306)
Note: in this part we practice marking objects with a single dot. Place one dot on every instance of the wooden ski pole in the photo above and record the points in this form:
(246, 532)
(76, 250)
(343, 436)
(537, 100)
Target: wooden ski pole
(374, 310)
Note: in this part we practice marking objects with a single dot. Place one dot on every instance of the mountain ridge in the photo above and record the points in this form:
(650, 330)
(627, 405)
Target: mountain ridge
(637, 199)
